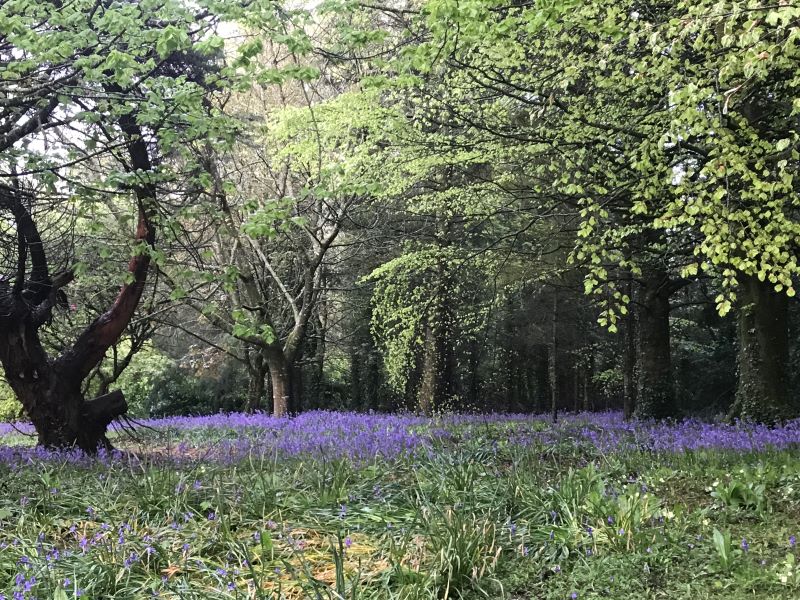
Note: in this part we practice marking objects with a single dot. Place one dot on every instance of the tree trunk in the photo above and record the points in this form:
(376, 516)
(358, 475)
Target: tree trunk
(257, 370)
(50, 390)
(576, 387)
(318, 391)
(280, 376)
(473, 375)
(298, 388)
(428, 393)
(52, 397)
(357, 398)
(655, 391)
(629, 367)
(588, 388)
(762, 393)
(553, 359)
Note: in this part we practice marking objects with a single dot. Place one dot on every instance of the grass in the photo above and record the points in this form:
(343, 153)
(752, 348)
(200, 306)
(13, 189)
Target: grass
(472, 513)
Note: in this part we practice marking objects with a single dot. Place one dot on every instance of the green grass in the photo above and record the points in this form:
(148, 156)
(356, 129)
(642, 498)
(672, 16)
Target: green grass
(468, 521)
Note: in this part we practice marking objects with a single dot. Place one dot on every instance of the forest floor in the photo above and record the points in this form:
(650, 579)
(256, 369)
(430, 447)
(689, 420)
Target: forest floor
(338, 505)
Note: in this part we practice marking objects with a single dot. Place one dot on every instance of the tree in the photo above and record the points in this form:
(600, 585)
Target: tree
(116, 90)
(671, 117)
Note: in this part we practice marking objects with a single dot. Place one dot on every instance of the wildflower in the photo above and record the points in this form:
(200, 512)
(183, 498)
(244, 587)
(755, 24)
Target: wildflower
(574, 595)
(792, 541)
(745, 545)
(348, 542)
(132, 558)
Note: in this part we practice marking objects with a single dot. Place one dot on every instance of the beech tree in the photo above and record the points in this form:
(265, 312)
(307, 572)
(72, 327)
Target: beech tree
(656, 117)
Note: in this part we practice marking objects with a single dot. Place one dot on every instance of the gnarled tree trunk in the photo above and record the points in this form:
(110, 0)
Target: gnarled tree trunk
(50, 389)
(52, 397)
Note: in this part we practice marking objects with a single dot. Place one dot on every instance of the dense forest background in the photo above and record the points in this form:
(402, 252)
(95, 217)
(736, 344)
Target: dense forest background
(433, 206)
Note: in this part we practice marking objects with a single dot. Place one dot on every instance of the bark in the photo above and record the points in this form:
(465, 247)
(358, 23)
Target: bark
(50, 390)
(762, 392)
(629, 367)
(655, 387)
(318, 391)
(428, 392)
(356, 379)
(588, 388)
(297, 395)
(553, 359)
(280, 376)
(473, 375)
(257, 369)
(52, 398)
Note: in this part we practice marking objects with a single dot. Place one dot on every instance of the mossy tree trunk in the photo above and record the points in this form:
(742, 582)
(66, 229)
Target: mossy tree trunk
(762, 394)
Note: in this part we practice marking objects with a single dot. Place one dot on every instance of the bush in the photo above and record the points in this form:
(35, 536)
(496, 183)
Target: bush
(10, 408)
(177, 391)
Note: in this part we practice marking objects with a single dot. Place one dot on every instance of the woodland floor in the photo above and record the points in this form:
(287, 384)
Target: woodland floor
(333, 505)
